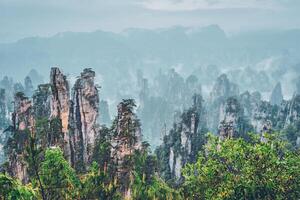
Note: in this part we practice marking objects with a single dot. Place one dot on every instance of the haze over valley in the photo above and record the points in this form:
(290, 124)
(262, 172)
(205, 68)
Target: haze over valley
(150, 99)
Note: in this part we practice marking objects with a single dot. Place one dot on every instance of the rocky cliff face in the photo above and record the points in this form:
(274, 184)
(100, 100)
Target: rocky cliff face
(126, 139)
(235, 115)
(173, 88)
(60, 106)
(232, 116)
(60, 98)
(247, 113)
(51, 103)
(154, 110)
(249, 102)
(83, 118)
(23, 116)
(192, 86)
(75, 120)
(265, 117)
(23, 125)
(276, 97)
(222, 90)
(47, 132)
(52, 108)
(289, 120)
(158, 101)
(183, 142)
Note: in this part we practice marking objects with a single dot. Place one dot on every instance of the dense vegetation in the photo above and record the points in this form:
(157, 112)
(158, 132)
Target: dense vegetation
(122, 166)
(260, 168)
(237, 169)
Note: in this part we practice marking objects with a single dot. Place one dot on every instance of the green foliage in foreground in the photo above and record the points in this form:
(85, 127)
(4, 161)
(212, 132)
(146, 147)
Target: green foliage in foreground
(13, 190)
(96, 184)
(226, 169)
(146, 184)
(236, 169)
(60, 181)
(57, 176)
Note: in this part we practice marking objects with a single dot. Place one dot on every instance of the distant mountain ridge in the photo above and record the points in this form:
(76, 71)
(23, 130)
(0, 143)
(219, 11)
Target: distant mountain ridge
(158, 48)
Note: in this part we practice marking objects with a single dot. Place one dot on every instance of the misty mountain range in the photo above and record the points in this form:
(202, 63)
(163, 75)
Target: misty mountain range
(149, 99)
(255, 61)
(159, 48)
(271, 56)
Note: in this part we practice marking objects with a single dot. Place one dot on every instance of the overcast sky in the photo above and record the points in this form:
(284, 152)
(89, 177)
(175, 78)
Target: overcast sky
(22, 18)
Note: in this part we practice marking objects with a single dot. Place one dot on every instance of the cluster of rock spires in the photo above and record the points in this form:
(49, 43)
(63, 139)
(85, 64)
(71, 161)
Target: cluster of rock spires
(56, 116)
(169, 93)
(8, 89)
(222, 90)
(227, 114)
(72, 121)
(184, 140)
(23, 122)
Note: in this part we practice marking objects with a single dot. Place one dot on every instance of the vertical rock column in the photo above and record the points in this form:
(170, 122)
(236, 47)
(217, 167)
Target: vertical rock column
(23, 125)
(60, 104)
(83, 119)
(263, 117)
(183, 142)
(232, 113)
(222, 90)
(126, 139)
(22, 116)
